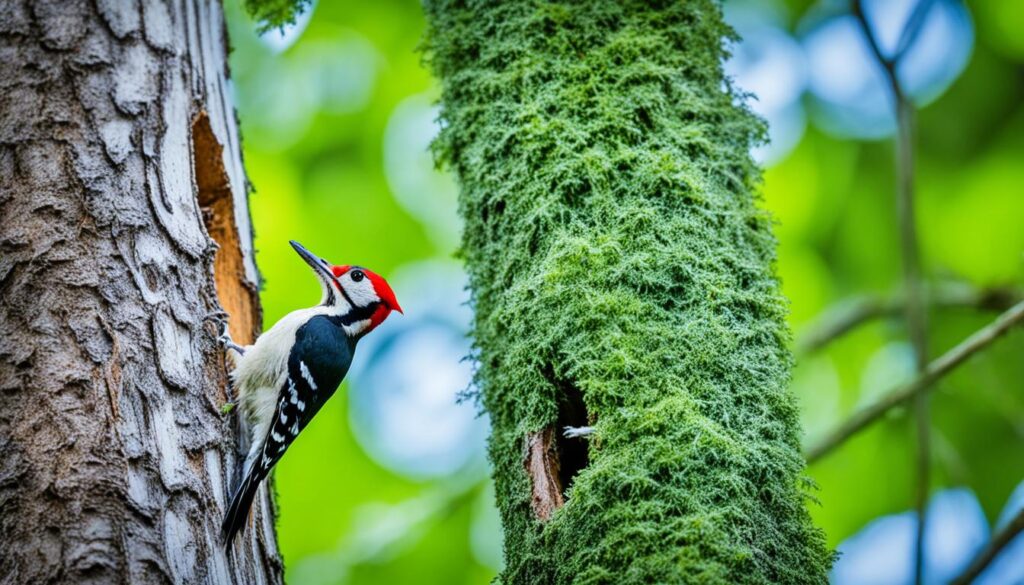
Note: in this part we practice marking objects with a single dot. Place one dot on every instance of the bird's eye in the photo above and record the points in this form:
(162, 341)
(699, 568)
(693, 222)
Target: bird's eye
(357, 275)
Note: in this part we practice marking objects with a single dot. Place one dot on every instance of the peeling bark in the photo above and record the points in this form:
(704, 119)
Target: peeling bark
(542, 465)
(123, 225)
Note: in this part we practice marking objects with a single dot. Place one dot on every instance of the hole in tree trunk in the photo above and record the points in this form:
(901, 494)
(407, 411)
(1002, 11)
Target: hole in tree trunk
(236, 295)
(573, 453)
(553, 460)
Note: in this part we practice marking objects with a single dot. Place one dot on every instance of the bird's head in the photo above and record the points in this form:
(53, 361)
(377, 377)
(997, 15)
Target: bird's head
(361, 293)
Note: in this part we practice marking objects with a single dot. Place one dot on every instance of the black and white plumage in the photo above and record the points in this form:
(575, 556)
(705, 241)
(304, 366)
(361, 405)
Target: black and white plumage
(285, 378)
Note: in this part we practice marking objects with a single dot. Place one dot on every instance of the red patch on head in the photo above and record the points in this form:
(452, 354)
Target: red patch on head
(339, 270)
(383, 290)
(378, 316)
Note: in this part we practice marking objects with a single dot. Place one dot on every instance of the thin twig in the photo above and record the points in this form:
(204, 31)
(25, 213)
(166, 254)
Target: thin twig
(915, 306)
(888, 64)
(920, 383)
(851, 313)
(991, 550)
(917, 320)
(912, 29)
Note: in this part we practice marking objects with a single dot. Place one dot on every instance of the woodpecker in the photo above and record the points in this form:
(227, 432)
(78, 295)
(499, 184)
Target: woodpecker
(294, 367)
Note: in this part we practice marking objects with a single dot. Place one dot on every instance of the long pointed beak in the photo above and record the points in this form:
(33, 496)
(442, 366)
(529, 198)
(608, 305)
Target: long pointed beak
(319, 265)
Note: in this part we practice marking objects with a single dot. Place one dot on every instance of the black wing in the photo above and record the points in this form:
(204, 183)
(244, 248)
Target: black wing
(318, 363)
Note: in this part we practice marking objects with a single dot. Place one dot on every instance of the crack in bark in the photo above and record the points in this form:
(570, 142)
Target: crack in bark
(237, 296)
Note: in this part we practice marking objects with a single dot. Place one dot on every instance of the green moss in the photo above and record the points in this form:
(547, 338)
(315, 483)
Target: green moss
(272, 14)
(614, 245)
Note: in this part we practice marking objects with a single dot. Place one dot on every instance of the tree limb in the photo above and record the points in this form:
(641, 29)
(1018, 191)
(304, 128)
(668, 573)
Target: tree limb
(916, 317)
(989, 553)
(920, 384)
(851, 313)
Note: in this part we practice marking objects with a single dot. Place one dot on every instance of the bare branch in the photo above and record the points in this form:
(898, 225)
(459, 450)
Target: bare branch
(989, 553)
(852, 313)
(912, 28)
(916, 316)
(921, 383)
(914, 307)
(888, 64)
(842, 318)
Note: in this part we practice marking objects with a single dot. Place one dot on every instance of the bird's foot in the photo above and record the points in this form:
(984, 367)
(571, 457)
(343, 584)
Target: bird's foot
(577, 432)
(227, 342)
(219, 317)
(227, 407)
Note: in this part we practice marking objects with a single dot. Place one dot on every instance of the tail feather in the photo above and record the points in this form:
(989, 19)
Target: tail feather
(238, 511)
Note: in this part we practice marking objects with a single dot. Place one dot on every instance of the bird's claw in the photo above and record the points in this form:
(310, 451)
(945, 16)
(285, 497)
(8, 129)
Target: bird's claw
(577, 432)
(225, 335)
(227, 407)
(219, 317)
(225, 339)
(216, 318)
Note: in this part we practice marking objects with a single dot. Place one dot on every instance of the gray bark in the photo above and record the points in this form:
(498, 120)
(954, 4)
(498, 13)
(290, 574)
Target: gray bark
(123, 224)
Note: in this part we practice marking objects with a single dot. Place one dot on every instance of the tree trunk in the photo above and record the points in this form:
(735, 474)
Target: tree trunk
(124, 225)
(622, 277)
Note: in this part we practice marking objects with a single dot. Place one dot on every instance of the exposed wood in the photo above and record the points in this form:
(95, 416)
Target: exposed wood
(542, 466)
(116, 129)
(238, 295)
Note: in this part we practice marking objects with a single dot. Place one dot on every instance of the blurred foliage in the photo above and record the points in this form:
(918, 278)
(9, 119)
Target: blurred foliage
(315, 115)
(835, 203)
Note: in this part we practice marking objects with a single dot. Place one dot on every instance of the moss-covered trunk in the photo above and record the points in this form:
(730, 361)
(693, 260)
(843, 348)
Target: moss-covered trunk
(622, 276)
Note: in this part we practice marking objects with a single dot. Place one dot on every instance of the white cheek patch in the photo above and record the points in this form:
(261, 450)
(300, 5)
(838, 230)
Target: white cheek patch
(361, 293)
(356, 328)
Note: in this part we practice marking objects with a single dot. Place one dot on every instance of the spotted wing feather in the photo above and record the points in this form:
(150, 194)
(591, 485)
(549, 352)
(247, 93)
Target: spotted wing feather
(317, 364)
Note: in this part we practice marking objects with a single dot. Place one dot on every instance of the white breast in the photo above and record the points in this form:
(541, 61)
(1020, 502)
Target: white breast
(262, 371)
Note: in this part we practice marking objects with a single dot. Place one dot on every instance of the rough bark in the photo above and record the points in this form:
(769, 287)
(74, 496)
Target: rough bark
(123, 225)
(622, 277)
